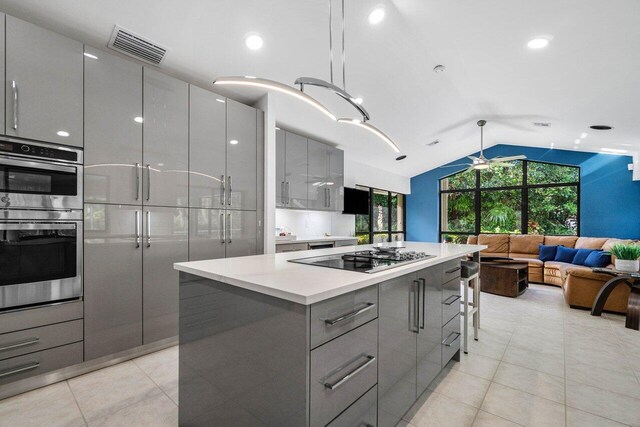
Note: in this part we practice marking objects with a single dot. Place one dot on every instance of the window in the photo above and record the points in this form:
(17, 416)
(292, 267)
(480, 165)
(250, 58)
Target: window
(386, 219)
(528, 197)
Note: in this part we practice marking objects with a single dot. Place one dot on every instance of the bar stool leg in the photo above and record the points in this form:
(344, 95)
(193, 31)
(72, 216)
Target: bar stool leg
(465, 314)
(476, 305)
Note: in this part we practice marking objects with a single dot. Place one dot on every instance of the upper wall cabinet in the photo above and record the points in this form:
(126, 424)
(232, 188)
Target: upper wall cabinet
(326, 177)
(113, 129)
(207, 145)
(43, 84)
(336, 179)
(2, 69)
(291, 170)
(165, 140)
(242, 156)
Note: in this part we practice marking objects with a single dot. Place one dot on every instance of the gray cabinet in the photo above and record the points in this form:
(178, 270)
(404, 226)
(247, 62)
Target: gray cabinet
(281, 174)
(2, 70)
(112, 279)
(113, 129)
(43, 84)
(242, 156)
(335, 183)
(206, 234)
(291, 170)
(165, 242)
(429, 361)
(318, 176)
(165, 140)
(241, 233)
(207, 145)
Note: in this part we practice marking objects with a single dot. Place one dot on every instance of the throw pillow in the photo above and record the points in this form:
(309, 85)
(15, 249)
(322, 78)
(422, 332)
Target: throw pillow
(565, 254)
(582, 255)
(598, 259)
(547, 252)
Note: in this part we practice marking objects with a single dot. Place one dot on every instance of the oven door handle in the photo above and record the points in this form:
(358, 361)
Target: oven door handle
(4, 161)
(36, 226)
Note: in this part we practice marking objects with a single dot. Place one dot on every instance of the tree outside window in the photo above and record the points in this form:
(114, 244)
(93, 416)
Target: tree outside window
(386, 219)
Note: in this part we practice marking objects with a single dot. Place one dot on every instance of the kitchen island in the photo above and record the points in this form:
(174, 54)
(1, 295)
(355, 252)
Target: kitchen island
(264, 341)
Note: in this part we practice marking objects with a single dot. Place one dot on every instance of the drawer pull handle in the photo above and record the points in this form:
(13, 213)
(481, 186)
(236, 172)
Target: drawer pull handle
(449, 343)
(453, 270)
(335, 385)
(30, 366)
(19, 344)
(451, 299)
(368, 306)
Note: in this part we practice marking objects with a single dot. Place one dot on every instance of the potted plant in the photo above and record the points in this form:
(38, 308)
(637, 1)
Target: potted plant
(626, 257)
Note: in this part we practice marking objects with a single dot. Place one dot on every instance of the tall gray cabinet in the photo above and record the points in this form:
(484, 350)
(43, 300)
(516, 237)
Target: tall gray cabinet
(135, 203)
(291, 170)
(224, 185)
(43, 89)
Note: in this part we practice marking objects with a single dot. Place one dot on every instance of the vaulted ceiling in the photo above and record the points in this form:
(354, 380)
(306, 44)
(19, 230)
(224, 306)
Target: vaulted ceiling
(589, 73)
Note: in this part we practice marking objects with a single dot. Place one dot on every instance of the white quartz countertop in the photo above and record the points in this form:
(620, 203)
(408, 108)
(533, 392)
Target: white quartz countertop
(315, 239)
(273, 275)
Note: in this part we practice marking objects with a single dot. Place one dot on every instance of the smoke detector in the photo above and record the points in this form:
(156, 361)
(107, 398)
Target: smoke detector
(136, 46)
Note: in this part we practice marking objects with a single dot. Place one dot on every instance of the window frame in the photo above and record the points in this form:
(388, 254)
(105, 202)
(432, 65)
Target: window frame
(389, 231)
(524, 203)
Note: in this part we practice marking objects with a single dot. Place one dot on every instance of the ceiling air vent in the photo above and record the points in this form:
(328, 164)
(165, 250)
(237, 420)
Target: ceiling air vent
(542, 124)
(131, 44)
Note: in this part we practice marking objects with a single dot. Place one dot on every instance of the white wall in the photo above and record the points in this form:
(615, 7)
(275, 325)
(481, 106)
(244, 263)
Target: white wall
(358, 173)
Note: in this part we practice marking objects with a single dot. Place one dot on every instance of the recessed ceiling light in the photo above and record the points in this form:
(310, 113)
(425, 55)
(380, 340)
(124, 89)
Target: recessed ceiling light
(138, 119)
(583, 135)
(253, 41)
(439, 68)
(539, 42)
(63, 133)
(404, 156)
(376, 16)
(88, 55)
(233, 142)
(577, 141)
(601, 127)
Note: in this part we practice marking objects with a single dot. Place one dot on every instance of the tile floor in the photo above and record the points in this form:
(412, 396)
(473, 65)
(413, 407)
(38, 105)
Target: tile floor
(538, 363)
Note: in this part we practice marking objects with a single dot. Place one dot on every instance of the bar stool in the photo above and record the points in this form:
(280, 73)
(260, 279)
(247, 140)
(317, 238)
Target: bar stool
(470, 273)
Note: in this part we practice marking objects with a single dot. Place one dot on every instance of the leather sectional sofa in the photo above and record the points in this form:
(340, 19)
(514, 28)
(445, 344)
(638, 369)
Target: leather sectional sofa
(579, 283)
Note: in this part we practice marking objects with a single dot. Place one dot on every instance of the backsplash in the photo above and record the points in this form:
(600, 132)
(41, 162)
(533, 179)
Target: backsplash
(315, 223)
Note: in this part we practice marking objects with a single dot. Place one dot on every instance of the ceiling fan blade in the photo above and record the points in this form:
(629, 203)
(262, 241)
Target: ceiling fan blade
(508, 159)
(504, 165)
(456, 166)
(473, 158)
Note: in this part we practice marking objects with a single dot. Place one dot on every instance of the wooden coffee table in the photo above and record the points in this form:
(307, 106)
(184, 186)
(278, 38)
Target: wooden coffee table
(633, 303)
(505, 278)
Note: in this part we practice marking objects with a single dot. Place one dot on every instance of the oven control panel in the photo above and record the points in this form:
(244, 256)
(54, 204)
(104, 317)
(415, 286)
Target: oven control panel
(37, 151)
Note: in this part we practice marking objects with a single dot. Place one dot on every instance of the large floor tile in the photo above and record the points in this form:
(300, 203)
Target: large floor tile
(577, 418)
(461, 386)
(105, 392)
(485, 419)
(50, 406)
(530, 381)
(162, 368)
(605, 378)
(550, 364)
(439, 410)
(614, 406)
(523, 408)
(475, 364)
(156, 411)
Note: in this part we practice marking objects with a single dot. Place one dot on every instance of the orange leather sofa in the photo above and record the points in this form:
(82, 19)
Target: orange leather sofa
(579, 283)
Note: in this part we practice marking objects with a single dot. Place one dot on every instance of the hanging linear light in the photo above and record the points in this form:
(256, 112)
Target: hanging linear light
(373, 130)
(276, 86)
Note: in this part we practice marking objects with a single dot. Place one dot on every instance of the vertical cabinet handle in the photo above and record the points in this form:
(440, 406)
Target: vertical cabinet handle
(282, 201)
(413, 321)
(223, 191)
(288, 194)
(14, 87)
(223, 229)
(148, 182)
(148, 229)
(230, 228)
(230, 190)
(137, 181)
(424, 306)
(137, 229)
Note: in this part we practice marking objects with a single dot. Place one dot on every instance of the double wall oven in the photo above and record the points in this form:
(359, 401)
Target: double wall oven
(41, 188)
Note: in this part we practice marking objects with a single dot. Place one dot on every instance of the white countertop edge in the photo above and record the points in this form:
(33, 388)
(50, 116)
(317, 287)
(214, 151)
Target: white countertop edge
(314, 239)
(367, 279)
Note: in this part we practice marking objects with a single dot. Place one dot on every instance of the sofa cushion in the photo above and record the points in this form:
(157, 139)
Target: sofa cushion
(587, 273)
(497, 243)
(598, 259)
(547, 252)
(566, 241)
(472, 240)
(533, 262)
(581, 256)
(525, 243)
(565, 254)
(590, 242)
(557, 269)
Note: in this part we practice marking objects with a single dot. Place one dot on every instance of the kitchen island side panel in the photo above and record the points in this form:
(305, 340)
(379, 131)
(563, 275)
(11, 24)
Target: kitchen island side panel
(243, 357)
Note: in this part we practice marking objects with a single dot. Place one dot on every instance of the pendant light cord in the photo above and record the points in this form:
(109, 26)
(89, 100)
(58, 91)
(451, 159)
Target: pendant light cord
(344, 84)
(330, 42)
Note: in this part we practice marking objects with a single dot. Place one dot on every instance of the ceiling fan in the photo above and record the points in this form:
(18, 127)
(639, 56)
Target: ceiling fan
(481, 162)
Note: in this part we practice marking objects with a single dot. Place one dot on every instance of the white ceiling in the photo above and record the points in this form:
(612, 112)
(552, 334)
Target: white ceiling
(589, 74)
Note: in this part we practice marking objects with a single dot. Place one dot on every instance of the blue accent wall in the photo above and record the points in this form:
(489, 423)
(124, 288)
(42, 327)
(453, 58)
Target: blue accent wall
(609, 199)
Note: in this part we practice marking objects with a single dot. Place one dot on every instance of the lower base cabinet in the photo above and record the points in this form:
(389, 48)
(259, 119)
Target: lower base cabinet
(359, 359)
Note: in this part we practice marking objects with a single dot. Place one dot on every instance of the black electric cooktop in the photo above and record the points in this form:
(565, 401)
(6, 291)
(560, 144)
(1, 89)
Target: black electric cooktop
(367, 261)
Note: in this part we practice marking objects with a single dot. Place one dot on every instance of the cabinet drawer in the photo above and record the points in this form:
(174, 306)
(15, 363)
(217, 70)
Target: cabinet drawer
(29, 365)
(341, 314)
(450, 339)
(341, 371)
(362, 413)
(451, 299)
(292, 247)
(451, 270)
(37, 339)
(40, 316)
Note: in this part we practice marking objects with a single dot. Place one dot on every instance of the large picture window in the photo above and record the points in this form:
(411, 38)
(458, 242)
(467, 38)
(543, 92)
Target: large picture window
(386, 219)
(528, 198)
